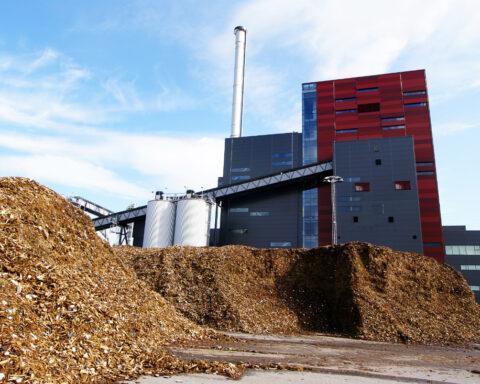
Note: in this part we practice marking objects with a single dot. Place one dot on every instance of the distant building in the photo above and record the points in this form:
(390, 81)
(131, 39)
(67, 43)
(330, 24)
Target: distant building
(462, 249)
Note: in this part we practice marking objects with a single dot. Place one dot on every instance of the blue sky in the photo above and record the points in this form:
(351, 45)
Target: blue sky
(111, 100)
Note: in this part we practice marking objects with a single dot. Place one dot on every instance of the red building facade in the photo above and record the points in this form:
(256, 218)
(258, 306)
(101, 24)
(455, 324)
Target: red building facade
(381, 106)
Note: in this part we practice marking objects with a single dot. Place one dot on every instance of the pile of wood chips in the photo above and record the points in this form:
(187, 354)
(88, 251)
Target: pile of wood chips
(356, 289)
(70, 310)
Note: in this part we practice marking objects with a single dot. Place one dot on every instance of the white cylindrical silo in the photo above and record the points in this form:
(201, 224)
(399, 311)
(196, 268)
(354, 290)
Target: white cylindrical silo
(192, 222)
(159, 224)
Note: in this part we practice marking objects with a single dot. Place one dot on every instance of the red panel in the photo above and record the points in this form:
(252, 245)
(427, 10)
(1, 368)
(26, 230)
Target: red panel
(388, 90)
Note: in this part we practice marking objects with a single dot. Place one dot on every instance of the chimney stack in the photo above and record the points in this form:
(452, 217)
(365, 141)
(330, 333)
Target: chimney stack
(238, 82)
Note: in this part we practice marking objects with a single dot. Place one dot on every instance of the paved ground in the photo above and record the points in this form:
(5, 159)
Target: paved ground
(335, 360)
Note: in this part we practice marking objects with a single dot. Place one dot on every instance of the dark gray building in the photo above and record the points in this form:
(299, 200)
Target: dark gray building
(378, 200)
(266, 219)
(462, 249)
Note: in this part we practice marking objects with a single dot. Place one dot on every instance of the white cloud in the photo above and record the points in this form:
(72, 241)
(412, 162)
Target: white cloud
(167, 162)
(69, 172)
(47, 57)
(454, 127)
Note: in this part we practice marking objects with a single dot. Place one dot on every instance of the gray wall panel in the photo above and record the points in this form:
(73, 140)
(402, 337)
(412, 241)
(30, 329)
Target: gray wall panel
(355, 162)
(262, 155)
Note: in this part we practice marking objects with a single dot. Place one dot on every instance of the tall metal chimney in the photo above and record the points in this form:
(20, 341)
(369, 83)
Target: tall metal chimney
(237, 103)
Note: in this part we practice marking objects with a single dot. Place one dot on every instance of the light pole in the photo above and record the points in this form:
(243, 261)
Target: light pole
(333, 180)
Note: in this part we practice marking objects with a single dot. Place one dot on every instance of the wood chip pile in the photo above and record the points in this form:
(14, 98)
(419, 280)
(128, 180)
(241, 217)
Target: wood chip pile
(70, 310)
(356, 289)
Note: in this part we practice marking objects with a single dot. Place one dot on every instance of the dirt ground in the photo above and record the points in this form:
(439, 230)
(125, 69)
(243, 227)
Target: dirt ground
(326, 359)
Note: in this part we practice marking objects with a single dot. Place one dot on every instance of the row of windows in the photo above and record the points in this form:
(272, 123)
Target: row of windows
(341, 131)
(475, 288)
(400, 185)
(397, 118)
(284, 155)
(424, 164)
(280, 244)
(462, 250)
(246, 210)
(245, 169)
(284, 163)
(414, 93)
(470, 267)
(425, 173)
(355, 130)
(311, 87)
(240, 177)
(373, 89)
(393, 127)
(374, 107)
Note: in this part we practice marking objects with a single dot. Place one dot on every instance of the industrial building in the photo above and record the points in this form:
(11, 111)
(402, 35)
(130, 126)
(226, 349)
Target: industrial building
(462, 249)
(373, 109)
(371, 137)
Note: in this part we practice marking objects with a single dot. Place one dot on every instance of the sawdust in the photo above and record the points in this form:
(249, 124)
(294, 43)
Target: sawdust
(356, 289)
(70, 310)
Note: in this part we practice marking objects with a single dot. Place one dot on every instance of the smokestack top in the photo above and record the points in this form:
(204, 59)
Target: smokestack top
(239, 28)
(238, 81)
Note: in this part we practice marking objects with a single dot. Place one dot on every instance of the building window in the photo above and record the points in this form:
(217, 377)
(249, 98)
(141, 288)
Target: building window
(355, 219)
(371, 89)
(398, 118)
(425, 173)
(239, 231)
(352, 179)
(415, 105)
(346, 199)
(259, 213)
(345, 99)
(392, 127)
(425, 164)
(470, 267)
(376, 148)
(391, 219)
(240, 178)
(309, 87)
(475, 288)
(362, 187)
(284, 155)
(341, 131)
(238, 210)
(414, 237)
(344, 111)
(378, 161)
(286, 163)
(472, 250)
(348, 208)
(280, 244)
(245, 169)
(414, 93)
(372, 107)
(402, 185)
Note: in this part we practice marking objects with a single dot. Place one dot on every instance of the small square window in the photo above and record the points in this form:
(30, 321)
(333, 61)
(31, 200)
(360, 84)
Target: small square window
(414, 237)
(355, 219)
(390, 219)
(376, 148)
(402, 185)
(378, 161)
(362, 187)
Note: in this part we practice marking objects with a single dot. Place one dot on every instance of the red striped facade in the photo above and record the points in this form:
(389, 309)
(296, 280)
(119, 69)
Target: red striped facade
(368, 106)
